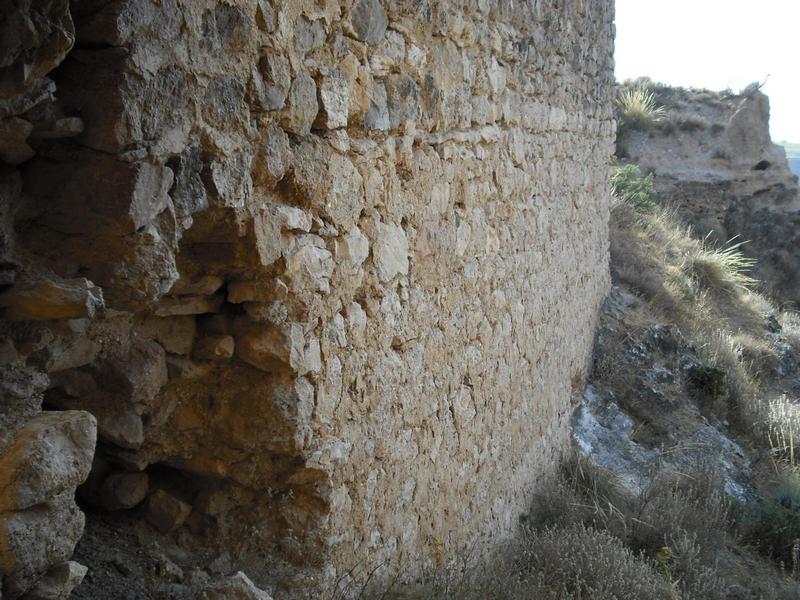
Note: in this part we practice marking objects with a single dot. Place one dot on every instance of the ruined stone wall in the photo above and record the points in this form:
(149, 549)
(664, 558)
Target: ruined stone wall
(325, 273)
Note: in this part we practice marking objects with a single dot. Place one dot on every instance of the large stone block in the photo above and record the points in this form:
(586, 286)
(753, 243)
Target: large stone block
(51, 454)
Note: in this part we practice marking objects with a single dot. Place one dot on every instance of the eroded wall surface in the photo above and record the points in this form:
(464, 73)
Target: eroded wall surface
(325, 273)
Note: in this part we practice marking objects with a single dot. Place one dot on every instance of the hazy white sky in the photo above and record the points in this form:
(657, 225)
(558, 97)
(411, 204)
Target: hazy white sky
(717, 44)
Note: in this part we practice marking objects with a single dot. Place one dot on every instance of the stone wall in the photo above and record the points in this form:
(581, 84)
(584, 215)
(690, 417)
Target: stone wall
(325, 273)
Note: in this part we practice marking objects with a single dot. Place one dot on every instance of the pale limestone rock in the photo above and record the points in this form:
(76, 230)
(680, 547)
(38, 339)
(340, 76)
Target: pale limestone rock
(302, 105)
(274, 157)
(390, 251)
(58, 582)
(122, 491)
(45, 300)
(353, 249)
(293, 219)
(263, 347)
(50, 455)
(304, 357)
(266, 230)
(235, 587)
(309, 267)
(345, 197)
(34, 540)
(123, 428)
(165, 512)
(377, 116)
(403, 99)
(446, 126)
(214, 347)
(356, 321)
(335, 96)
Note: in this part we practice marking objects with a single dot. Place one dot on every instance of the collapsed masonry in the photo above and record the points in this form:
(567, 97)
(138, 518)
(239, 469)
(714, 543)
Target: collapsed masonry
(332, 266)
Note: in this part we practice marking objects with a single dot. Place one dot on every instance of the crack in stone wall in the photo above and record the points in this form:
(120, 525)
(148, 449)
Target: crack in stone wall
(337, 263)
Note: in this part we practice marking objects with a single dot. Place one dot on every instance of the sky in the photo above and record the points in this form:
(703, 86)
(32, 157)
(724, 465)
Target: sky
(716, 44)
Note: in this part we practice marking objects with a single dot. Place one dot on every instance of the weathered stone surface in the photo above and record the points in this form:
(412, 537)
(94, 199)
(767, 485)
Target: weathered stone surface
(235, 587)
(309, 267)
(35, 37)
(165, 512)
(274, 157)
(398, 213)
(302, 105)
(369, 21)
(391, 251)
(353, 249)
(188, 305)
(188, 192)
(175, 334)
(51, 454)
(202, 286)
(265, 348)
(45, 300)
(124, 490)
(293, 219)
(335, 98)
(270, 83)
(214, 347)
(377, 116)
(34, 540)
(58, 582)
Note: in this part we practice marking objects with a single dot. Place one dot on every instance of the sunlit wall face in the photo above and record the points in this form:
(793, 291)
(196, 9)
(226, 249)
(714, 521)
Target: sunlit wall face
(716, 44)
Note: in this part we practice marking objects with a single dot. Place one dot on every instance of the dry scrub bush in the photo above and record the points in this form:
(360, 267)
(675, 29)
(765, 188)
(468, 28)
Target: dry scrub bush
(581, 562)
(790, 322)
(687, 513)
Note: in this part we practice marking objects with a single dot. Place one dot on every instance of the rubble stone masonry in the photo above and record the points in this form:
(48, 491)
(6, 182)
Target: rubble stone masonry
(327, 271)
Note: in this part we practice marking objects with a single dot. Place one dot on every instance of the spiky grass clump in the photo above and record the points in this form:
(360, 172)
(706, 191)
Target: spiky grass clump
(783, 430)
(720, 269)
(637, 108)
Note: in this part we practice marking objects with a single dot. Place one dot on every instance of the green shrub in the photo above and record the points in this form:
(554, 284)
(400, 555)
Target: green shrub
(628, 186)
(773, 524)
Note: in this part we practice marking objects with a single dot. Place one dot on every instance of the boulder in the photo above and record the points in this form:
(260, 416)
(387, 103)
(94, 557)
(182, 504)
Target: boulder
(51, 454)
(165, 512)
(58, 583)
(34, 540)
